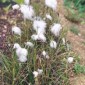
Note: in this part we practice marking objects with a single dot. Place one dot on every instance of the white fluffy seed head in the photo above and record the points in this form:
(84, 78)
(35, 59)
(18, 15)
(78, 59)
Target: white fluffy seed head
(34, 37)
(35, 73)
(44, 53)
(47, 57)
(39, 26)
(40, 71)
(70, 59)
(22, 58)
(63, 39)
(16, 46)
(21, 52)
(53, 44)
(27, 2)
(41, 37)
(16, 6)
(55, 29)
(51, 3)
(29, 44)
(48, 16)
(27, 11)
(16, 30)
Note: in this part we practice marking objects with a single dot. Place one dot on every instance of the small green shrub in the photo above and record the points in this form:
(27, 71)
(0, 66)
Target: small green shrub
(78, 68)
(75, 30)
(76, 4)
(75, 10)
(3, 1)
(17, 1)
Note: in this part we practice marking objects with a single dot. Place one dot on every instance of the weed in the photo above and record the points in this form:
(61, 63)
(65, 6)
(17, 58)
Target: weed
(83, 43)
(76, 4)
(72, 14)
(78, 68)
(75, 30)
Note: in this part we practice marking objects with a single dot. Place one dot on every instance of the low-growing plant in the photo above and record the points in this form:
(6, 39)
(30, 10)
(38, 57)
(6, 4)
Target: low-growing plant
(17, 1)
(75, 30)
(76, 4)
(78, 68)
(75, 10)
(73, 16)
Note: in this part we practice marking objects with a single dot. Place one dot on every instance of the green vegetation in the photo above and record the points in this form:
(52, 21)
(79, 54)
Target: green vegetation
(74, 29)
(76, 4)
(17, 1)
(3, 1)
(78, 68)
(75, 10)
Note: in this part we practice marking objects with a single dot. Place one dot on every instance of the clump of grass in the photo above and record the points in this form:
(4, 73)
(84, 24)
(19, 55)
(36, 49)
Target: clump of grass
(83, 43)
(75, 11)
(55, 69)
(76, 4)
(75, 30)
(73, 15)
(78, 68)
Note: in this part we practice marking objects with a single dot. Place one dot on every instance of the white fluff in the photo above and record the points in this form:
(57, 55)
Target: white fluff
(29, 44)
(27, 2)
(16, 6)
(35, 73)
(39, 26)
(34, 37)
(16, 30)
(45, 54)
(53, 44)
(63, 39)
(27, 11)
(22, 59)
(48, 16)
(55, 29)
(40, 71)
(41, 37)
(21, 52)
(51, 3)
(70, 59)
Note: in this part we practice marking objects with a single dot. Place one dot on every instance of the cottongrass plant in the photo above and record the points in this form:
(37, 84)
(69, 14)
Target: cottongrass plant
(39, 57)
(16, 30)
(16, 6)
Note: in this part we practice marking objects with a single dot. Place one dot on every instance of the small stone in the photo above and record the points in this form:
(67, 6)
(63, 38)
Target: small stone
(79, 34)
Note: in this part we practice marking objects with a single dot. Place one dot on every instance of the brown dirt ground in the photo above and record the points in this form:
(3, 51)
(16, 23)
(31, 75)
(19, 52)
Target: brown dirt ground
(76, 42)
